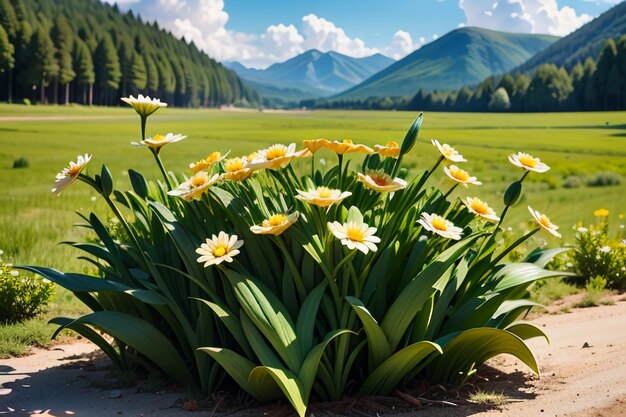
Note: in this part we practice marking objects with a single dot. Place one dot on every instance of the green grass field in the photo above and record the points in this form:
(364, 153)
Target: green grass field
(33, 221)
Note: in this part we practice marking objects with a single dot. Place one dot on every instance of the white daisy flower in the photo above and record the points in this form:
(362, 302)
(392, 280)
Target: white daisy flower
(218, 249)
(481, 209)
(461, 176)
(69, 174)
(144, 106)
(355, 235)
(544, 222)
(276, 224)
(157, 141)
(528, 162)
(439, 225)
(194, 187)
(322, 196)
(448, 151)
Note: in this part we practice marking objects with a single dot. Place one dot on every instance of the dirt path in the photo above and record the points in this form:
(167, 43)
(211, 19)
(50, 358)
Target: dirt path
(576, 381)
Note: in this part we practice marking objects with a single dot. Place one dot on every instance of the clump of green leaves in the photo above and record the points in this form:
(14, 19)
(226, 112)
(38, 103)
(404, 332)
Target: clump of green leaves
(22, 294)
(597, 256)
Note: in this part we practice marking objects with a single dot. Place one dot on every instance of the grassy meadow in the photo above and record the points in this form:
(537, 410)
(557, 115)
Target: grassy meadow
(33, 221)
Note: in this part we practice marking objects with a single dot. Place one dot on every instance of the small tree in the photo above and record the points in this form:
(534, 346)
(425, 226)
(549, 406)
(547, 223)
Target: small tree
(499, 100)
(7, 58)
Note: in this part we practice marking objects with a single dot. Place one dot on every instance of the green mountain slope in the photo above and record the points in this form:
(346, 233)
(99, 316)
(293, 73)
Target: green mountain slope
(585, 42)
(311, 74)
(461, 57)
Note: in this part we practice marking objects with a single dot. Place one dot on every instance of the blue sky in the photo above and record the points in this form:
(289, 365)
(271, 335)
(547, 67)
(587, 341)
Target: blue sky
(261, 32)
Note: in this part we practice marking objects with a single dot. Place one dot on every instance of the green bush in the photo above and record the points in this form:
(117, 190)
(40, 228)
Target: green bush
(604, 179)
(21, 163)
(597, 256)
(235, 277)
(572, 181)
(22, 295)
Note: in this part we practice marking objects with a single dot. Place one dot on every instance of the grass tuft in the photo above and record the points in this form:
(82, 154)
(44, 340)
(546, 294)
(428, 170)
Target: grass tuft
(488, 397)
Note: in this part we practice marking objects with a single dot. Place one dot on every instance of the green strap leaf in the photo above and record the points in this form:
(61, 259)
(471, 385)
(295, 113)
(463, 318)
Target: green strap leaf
(526, 331)
(389, 374)
(262, 376)
(377, 342)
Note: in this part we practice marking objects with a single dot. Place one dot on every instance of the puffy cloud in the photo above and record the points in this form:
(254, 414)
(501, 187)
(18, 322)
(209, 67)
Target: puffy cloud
(322, 34)
(280, 42)
(401, 45)
(530, 16)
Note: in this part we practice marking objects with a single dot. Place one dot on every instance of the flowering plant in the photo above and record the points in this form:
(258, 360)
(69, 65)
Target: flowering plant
(311, 284)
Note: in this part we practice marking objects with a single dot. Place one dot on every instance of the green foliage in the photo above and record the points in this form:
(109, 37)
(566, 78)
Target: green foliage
(129, 56)
(599, 258)
(298, 313)
(22, 295)
(604, 179)
(7, 59)
(21, 163)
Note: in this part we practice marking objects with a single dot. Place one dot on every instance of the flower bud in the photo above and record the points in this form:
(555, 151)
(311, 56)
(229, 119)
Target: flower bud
(512, 193)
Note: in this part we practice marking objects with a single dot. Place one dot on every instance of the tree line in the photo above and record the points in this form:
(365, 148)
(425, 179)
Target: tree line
(590, 85)
(62, 51)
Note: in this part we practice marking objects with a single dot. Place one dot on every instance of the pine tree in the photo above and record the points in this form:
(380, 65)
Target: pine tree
(152, 73)
(621, 67)
(83, 66)
(605, 64)
(138, 77)
(126, 52)
(107, 66)
(591, 95)
(7, 58)
(10, 24)
(44, 67)
(62, 37)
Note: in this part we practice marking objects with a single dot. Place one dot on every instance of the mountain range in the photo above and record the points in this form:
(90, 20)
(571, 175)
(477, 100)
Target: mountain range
(583, 43)
(463, 56)
(311, 74)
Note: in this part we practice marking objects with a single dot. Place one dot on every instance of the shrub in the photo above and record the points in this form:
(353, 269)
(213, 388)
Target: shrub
(597, 255)
(21, 163)
(22, 295)
(604, 179)
(572, 181)
(304, 286)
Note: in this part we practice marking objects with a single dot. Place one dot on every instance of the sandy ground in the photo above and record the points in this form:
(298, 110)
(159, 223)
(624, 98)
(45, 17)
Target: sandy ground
(583, 375)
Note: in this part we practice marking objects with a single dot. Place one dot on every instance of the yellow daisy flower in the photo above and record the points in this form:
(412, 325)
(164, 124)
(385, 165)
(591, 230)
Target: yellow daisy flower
(601, 212)
(218, 249)
(276, 156)
(481, 209)
(323, 196)
(439, 225)
(144, 106)
(237, 169)
(194, 187)
(346, 146)
(69, 174)
(355, 235)
(391, 149)
(276, 224)
(460, 176)
(544, 222)
(205, 163)
(381, 182)
(448, 151)
(528, 162)
(313, 145)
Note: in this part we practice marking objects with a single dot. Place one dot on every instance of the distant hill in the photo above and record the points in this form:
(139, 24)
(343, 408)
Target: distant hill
(462, 57)
(311, 74)
(585, 42)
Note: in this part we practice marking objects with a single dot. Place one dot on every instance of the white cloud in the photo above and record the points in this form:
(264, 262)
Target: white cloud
(205, 22)
(529, 16)
(121, 2)
(322, 34)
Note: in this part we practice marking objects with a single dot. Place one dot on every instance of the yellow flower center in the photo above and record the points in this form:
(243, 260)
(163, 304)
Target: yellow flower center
(158, 138)
(198, 181)
(528, 161)
(213, 158)
(220, 250)
(545, 221)
(480, 207)
(355, 234)
(448, 150)
(276, 152)
(324, 192)
(74, 170)
(234, 164)
(439, 223)
(275, 220)
(460, 174)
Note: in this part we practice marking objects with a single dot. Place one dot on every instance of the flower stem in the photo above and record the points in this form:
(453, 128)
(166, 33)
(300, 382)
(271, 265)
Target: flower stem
(450, 191)
(162, 168)
(340, 157)
(143, 127)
